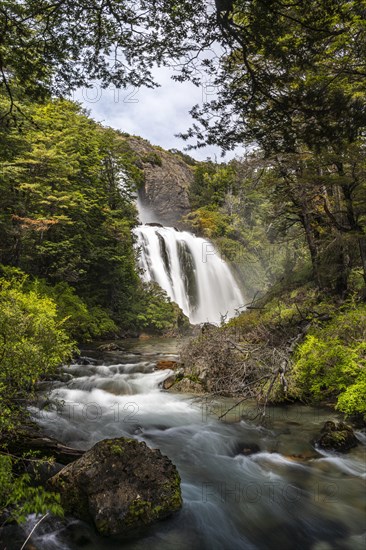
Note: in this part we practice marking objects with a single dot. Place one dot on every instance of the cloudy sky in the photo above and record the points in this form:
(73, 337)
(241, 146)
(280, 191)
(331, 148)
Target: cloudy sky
(156, 115)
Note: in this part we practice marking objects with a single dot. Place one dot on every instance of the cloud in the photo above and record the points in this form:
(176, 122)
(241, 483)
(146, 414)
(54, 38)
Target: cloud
(154, 114)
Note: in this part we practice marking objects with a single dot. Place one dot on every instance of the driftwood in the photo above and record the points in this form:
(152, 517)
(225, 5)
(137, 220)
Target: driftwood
(30, 439)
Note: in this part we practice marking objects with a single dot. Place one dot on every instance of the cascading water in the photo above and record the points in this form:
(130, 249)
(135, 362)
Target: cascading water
(190, 270)
(283, 494)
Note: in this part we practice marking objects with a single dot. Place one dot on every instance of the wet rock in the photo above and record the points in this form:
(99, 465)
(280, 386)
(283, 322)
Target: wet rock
(199, 372)
(336, 437)
(169, 382)
(12, 536)
(247, 449)
(112, 346)
(57, 377)
(302, 457)
(120, 485)
(167, 179)
(163, 365)
(83, 360)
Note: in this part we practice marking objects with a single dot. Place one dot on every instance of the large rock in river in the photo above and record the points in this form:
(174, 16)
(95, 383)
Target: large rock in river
(336, 437)
(120, 485)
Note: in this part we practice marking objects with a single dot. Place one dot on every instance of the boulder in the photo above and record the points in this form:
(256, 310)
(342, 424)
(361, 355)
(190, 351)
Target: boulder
(145, 336)
(336, 437)
(199, 372)
(120, 485)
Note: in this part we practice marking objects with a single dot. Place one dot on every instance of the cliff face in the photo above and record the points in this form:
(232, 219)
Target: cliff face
(167, 178)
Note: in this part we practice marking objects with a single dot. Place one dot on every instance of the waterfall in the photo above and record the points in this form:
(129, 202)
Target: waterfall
(190, 270)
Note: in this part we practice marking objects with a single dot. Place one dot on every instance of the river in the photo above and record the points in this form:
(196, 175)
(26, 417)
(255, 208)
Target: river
(285, 496)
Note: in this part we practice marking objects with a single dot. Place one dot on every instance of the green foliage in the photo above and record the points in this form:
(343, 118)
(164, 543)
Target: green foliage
(32, 344)
(152, 158)
(293, 75)
(67, 212)
(235, 208)
(52, 49)
(155, 312)
(82, 322)
(20, 498)
(187, 158)
(331, 362)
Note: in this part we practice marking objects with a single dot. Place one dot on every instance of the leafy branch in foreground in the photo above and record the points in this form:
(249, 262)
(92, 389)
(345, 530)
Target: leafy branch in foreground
(19, 496)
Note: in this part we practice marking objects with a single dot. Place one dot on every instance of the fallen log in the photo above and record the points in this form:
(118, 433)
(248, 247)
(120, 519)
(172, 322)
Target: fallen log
(30, 438)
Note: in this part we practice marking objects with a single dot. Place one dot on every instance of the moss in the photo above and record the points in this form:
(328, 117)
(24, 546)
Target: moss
(140, 511)
(175, 501)
(73, 501)
(117, 448)
(193, 378)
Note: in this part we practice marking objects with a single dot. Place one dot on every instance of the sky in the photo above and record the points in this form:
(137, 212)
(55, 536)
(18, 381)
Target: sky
(154, 114)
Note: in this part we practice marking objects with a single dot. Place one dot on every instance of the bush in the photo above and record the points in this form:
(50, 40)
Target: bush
(152, 158)
(331, 362)
(19, 498)
(155, 312)
(32, 344)
(81, 322)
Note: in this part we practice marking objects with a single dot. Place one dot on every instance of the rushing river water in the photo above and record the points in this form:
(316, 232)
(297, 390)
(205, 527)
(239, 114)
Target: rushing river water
(286, 496)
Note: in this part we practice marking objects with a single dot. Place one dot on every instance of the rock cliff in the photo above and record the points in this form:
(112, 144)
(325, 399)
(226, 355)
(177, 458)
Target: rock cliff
(167, 177)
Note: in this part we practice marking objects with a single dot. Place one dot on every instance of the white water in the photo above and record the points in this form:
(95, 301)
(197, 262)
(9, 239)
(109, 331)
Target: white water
(266, 501)
(191, 271)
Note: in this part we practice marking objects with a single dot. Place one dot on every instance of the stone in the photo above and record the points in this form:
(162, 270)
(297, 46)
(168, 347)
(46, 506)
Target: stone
(336, 437)
(163, 365)
(112, 346)
(169, 382)
(145, 336)
(186, 385)
(247, 449)
(121, 486)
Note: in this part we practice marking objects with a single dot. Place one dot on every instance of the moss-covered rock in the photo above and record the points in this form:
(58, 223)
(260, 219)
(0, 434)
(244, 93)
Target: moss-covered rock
(336, 437)
(121, 486)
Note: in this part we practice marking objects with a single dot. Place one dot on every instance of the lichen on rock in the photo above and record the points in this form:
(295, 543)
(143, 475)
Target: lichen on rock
(120, 485)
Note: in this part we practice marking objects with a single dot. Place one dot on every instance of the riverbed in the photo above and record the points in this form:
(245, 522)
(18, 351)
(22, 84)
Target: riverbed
(285, 495)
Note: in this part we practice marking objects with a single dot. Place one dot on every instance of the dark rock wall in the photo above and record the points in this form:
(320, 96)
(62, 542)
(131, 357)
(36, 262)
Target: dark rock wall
(167, 180)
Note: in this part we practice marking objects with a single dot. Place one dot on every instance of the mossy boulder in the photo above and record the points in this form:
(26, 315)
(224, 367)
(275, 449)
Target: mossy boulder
(121, 486)
(336, 437)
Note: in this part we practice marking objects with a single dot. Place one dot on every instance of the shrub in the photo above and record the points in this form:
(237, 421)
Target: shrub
(32, 344)
(331, 362)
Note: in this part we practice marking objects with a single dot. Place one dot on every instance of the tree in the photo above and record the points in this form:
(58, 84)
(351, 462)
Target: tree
(293, 73)
(293, 83)
(54, 47)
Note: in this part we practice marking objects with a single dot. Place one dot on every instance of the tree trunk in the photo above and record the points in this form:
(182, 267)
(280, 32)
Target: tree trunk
(314, 254)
